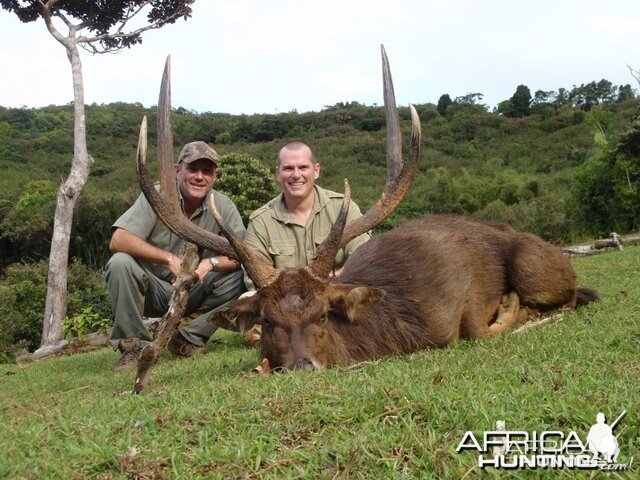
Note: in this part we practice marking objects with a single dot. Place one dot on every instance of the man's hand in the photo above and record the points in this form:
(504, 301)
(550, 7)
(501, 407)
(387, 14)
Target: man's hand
(335, 272)
(225, 265)
(204, 267)
(174, 265)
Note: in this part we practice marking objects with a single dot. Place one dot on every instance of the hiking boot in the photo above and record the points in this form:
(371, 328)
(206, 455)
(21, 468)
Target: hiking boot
(130, 349)
(178, 345)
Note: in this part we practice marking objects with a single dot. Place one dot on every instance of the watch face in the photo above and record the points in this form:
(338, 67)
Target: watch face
(214, 261)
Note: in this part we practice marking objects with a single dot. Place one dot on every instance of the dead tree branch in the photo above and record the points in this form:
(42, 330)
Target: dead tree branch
(599, 246)
(539, 323)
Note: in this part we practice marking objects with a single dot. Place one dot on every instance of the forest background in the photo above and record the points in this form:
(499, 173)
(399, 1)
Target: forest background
(561, 164)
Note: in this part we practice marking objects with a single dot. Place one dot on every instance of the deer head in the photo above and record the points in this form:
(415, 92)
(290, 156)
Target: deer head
(294, 306)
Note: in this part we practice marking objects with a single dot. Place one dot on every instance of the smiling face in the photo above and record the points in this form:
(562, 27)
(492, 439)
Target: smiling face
(297, 171)
(195, 180)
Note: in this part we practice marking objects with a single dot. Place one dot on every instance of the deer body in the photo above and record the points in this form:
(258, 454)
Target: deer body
(443, 276)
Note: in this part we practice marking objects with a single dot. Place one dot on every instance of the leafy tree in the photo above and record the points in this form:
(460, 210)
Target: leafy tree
(542, 96)
(271, 127)
(586, 96)
(542, 103)
(520, 103)
(469, 99)
(372, 121)
(562, 98)
(606, 195)
(625, 92)
(443, 102)
(107, 25)
(502, 108)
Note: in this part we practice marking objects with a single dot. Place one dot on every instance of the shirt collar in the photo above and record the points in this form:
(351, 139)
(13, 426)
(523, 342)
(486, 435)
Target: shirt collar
(283, 215)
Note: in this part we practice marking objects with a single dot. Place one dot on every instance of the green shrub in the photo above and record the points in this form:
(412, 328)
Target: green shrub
(27, 224)
(496, 211)
(543, 216)
(93, 218)
(83, 323)
(248, 182)
(23, 291)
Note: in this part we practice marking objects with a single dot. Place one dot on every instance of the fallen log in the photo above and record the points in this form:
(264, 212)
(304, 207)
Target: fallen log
(86, 343)
(602, 245)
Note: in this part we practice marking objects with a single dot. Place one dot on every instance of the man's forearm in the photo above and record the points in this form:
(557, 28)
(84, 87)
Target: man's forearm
(126, 242)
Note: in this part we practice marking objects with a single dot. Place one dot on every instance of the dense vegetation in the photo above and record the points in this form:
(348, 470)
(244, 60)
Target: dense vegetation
(564, 165)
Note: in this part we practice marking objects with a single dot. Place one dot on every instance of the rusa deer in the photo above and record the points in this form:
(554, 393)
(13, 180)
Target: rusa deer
(427, 283)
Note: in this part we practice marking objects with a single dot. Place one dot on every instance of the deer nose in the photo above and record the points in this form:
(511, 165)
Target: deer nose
(303, 364)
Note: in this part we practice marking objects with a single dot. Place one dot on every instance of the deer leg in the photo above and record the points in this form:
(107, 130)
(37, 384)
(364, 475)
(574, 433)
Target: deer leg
(508, 314)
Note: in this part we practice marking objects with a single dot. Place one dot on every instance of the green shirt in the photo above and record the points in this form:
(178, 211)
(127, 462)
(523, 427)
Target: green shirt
(276, 233)
(142, 221)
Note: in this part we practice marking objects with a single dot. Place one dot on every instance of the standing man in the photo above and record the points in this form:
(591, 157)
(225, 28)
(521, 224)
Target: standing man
(147, 257)
(288, 228)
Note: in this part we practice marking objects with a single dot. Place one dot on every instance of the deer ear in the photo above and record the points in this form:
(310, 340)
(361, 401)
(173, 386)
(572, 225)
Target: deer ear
(238, 315)
(351, 302)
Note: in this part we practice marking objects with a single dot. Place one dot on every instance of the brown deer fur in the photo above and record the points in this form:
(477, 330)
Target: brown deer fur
(427, 283)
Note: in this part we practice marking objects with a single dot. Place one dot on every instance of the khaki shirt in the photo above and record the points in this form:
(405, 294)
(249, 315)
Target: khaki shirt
(142, 221)
(276, 233)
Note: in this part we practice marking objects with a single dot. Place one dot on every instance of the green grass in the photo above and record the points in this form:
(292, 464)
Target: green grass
(401, 417)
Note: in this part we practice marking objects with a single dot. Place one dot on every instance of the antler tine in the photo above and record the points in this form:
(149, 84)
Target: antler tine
(165, 137)
(257, 267)
(323, 261)
(399, 173)
(394, 137)
(165, 204)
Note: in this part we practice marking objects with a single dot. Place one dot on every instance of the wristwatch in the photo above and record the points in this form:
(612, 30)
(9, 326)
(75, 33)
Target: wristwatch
(214, 263)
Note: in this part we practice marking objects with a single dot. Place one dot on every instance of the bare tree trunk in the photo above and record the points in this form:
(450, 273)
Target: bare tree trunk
(68, 193)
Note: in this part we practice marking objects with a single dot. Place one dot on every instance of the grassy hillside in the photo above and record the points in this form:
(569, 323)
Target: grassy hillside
(402, 417)
(519, 170)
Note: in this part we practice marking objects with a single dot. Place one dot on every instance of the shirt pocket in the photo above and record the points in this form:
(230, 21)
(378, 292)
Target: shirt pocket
(283, 254)
(318, 238)
(321, 237)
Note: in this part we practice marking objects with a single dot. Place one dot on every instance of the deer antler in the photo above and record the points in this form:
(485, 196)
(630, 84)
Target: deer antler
(165, 203)
(399, 175)
(259, 269)
(326, 251)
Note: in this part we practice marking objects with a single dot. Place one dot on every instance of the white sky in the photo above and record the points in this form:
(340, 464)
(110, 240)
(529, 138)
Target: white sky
(258, 56)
